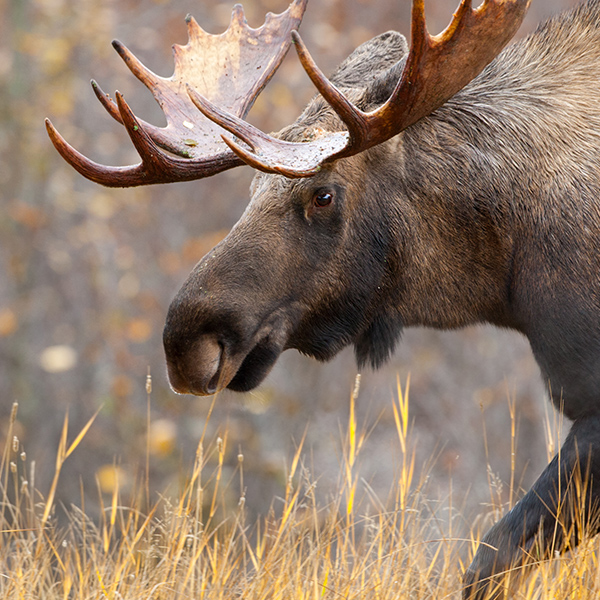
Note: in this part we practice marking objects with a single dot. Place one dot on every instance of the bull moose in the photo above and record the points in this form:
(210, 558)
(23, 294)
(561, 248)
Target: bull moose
(442, 184)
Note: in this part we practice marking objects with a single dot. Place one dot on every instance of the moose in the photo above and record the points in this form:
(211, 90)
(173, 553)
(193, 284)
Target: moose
(449, 182)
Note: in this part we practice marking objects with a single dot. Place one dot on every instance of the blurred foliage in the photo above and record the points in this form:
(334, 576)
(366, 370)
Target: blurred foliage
(88, 273)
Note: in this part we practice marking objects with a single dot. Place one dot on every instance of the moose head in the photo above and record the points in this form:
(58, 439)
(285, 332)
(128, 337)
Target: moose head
(325, 252)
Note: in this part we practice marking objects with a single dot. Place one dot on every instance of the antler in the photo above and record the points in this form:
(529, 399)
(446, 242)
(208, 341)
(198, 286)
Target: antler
(437, 67)
(222, 68)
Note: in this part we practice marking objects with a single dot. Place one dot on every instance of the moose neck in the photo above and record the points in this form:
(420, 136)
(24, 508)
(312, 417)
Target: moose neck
(477, 175)
(457, 209)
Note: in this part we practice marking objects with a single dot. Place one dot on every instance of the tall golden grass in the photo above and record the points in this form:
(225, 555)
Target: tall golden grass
(193, 546)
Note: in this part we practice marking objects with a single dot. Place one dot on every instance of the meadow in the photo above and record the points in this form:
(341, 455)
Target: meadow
(195, 543)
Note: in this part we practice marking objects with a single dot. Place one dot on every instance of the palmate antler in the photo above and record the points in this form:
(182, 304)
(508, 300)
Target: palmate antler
(230, 70)
(437, 67)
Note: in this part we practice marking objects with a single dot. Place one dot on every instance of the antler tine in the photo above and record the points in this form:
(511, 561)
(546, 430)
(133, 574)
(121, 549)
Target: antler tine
(458, 18)
(240, 128)
(348, 113)
(143, 73)
(111, 107)
(102, 174)
(149, 152)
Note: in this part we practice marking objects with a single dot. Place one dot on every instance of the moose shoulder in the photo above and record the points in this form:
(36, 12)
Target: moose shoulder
(433, 185)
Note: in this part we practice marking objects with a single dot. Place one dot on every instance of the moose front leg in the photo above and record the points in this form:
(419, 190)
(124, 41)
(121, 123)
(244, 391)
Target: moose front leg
(552, 517)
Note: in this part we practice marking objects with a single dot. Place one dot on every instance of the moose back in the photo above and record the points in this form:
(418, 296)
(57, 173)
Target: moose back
(442, 184)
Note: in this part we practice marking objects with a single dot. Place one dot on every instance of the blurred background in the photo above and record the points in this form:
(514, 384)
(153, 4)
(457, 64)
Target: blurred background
(88, 273)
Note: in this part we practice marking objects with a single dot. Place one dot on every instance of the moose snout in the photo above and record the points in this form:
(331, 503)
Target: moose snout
(198, 371)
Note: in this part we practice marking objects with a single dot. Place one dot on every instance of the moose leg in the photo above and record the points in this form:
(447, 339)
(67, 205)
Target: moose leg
(552, 517)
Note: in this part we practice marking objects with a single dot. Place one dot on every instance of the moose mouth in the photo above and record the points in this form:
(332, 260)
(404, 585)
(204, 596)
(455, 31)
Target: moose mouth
(256, 366)
(209, 367)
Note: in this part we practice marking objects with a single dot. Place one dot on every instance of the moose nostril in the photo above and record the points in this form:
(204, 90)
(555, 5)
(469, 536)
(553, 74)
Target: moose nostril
(197, 370)
(205, 361)
(213, 384)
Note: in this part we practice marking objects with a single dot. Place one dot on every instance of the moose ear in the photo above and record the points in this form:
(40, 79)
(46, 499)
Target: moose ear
(370, 61)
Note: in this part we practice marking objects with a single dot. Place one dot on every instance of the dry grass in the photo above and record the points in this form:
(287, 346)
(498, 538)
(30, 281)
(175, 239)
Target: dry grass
(357, 546)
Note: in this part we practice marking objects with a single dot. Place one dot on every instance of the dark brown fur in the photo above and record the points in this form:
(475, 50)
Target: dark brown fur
(488, 210)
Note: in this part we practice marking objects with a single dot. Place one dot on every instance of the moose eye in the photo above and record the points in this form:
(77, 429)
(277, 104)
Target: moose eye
(322, 198)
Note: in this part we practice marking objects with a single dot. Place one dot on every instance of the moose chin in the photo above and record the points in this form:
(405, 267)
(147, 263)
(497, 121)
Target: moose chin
(449, 182)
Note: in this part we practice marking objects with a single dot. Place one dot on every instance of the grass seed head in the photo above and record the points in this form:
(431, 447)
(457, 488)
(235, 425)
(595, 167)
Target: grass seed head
(13, 413)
